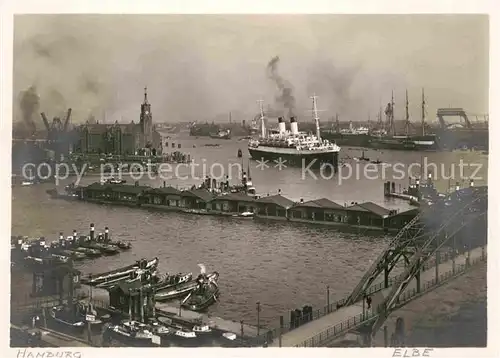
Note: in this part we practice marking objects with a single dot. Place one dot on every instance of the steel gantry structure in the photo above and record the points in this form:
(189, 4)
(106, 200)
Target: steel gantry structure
(461, 214)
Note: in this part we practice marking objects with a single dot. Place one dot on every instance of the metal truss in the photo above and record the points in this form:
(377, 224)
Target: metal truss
(454, 223)
(413, 238)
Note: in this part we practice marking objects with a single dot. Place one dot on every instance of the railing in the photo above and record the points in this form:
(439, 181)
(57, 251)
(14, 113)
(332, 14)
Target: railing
(273, 333)
(356, 321)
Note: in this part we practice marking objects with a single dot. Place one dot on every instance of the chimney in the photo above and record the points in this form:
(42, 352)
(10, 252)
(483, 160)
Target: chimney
(61, 237)
(294, 126)
(74, 234)
(281, 125)
(106, 234)
(471, 183)
(92, 231)
(301, 201)
(279, 191)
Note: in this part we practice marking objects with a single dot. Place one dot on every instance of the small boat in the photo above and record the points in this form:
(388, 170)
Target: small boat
(240, 153)
(171, 332)
(205, 295)
(63, 315)
(246, 214)
(107, 250)
(169, 281)
(45, 260)
(134, 333)
(180, 290)
(121, 245)
(121, 273)
(89, 252)
(113, 181)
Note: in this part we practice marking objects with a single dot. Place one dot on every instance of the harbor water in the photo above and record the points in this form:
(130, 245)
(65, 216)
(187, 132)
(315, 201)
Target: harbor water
(282, 265)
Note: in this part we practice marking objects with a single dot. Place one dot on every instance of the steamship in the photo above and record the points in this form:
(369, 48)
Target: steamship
(292, 147)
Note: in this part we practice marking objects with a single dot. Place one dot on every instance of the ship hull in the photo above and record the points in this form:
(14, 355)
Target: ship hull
(360, 140)
(293, 158)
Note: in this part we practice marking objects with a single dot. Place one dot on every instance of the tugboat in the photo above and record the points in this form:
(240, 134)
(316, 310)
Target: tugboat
(180, 290)
(205, 294)
(107, 240)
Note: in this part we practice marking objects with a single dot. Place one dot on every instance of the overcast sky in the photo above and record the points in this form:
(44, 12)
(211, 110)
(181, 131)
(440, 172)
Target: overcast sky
(202, 66)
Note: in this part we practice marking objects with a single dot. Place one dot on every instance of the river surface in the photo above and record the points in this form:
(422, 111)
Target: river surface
(282, 265)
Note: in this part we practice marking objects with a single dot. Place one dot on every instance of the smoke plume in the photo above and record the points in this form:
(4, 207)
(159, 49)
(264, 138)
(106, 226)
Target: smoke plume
(29, 104)
(285, 96)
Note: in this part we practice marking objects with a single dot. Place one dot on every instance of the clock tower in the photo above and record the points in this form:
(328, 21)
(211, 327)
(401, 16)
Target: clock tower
(146, 121)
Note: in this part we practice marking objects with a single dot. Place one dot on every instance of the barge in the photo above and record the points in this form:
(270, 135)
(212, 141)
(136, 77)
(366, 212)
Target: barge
(114, 276)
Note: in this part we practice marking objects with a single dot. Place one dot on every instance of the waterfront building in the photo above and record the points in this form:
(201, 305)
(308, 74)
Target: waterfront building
(121, 139)
(274, 206)
(367, 214)
(116, 193)
(197, 199)
(234, 203)
(167, 196)
(318, 210)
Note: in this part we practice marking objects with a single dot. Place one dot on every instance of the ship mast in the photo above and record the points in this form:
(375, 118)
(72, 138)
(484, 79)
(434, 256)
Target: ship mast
(337, 123)
(423, 113)
(380, 124)
(393, 125)
(407, 116)
(262, 121)
(316, 117)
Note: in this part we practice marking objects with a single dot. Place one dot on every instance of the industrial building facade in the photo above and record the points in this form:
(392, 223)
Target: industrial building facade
(118, 138)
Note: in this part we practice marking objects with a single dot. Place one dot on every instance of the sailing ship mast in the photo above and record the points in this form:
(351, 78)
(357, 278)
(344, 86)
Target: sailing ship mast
(407, 116)
(262, 121)
(423, 113)
(316, 117)
(393, 125)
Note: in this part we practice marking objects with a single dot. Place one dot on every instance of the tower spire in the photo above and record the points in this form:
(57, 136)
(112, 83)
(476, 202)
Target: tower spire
(146, 94)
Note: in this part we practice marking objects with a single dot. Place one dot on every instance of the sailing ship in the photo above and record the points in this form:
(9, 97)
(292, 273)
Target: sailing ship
(292, 147)
(420, 142)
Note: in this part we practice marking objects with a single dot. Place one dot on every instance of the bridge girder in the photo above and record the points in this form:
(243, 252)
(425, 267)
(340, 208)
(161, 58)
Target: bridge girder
(416, 238)
(439, 238)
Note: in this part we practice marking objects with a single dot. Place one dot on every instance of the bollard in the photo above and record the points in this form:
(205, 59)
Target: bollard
(89, 332)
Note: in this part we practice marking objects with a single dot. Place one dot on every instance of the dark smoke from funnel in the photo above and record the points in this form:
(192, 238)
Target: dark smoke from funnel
(285, 95)
(29, 104)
